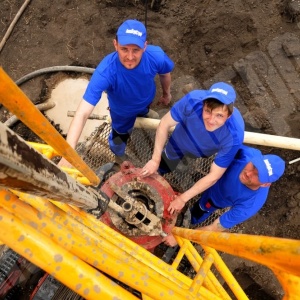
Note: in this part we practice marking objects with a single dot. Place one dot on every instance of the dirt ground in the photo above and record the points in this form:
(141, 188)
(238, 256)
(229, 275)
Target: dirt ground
(251, 43)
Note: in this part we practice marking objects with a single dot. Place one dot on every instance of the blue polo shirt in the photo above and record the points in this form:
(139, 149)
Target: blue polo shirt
(129, 91)
(191, 137)
(228, 191)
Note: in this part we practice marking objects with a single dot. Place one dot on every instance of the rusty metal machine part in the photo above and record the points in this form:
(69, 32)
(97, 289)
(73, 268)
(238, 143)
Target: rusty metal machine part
(138, 206)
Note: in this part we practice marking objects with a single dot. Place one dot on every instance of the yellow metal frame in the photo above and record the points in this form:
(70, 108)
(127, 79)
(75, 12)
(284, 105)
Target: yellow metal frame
(282, 256)
(19, 104)
(79, 250)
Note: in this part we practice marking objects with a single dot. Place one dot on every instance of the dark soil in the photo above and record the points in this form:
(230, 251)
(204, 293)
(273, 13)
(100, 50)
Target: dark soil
(252, 44)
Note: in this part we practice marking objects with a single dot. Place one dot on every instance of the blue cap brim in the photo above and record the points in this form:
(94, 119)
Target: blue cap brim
(131, 40)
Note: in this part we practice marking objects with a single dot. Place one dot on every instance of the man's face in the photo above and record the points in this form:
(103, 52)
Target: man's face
(249, 177)
(129, 55)
(214, 119)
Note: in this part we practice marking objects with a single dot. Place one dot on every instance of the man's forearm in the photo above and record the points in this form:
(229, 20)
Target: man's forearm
(215, 226)
(162, 134)
(75, 131)
(204, 183)
(82, 113)
(160, 140)
(165, 81)
(199, 187)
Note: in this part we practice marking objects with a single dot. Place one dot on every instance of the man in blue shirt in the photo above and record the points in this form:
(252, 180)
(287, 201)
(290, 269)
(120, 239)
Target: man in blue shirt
(206, 123)
(244, 188)
(128, 77)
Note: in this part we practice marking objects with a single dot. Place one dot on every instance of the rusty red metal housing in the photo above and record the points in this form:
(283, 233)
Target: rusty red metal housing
(154, 191)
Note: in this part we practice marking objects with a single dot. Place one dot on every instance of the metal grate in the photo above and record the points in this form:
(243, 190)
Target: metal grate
(95, 152)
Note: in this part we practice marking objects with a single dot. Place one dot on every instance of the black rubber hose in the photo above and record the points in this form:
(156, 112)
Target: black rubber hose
(54, 69)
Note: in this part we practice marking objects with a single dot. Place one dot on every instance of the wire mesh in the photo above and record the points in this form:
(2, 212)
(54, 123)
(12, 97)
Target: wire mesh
(95, 152)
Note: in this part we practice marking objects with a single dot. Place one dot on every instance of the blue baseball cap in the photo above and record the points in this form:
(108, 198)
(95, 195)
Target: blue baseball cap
(221, 91)
(132, 32)
(270, 167)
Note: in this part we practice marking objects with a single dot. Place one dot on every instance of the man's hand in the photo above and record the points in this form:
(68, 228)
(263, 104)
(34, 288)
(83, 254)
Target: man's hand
(170, 240)
(165, 99)
(64, 163)
(150, 168)
(176, 205)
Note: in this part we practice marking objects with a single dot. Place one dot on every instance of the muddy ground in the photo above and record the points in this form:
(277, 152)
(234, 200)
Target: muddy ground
(250, 43)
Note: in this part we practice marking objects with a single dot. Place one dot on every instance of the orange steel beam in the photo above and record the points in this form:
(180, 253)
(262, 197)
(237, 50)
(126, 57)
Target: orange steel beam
(20, 105)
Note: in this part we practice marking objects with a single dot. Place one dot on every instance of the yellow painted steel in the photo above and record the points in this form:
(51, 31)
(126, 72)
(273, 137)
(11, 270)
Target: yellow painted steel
(18, 103)
(116, 246)
(55, 260)
(46, 150)
(87, 245)
(210, 281)
(76, 175)
(150, 260)
(79, 245)
(293, 288)
(49, 152)
(282, 256)
(203, 271)
(225, 273)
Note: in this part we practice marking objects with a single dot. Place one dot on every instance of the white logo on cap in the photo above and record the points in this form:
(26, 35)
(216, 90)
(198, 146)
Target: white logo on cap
(269, 167)
(219, 91)
(133, 31)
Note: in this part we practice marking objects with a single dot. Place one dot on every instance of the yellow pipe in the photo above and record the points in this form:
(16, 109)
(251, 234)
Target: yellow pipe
(49, 152)
(127, 245)
(18, 103)
(290, 284)
(210, 282)
(86, 247)
(180, 254)
(226, 274)
(114, 260)
(283, 254)
(46, 150)
(202, 272)
(55, 260)
(39, 203)
(280, 255)
(76, 175)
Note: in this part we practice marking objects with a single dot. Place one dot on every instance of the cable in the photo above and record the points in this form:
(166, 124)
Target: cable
(54, 69)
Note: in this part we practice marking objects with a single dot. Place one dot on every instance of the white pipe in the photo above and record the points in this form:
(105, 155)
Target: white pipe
(272, 140)
(250, 137)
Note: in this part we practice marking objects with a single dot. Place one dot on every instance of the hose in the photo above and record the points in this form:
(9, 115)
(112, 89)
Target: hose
(54, 69)
(43, 106)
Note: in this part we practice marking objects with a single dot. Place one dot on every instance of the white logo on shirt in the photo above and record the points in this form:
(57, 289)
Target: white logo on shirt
(269, 167)
(133, 31)
(219, 91)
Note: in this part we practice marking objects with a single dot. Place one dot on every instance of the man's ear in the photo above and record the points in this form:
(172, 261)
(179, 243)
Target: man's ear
(145, 45)
(265, 184)
(115, 44)
(227, 112)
